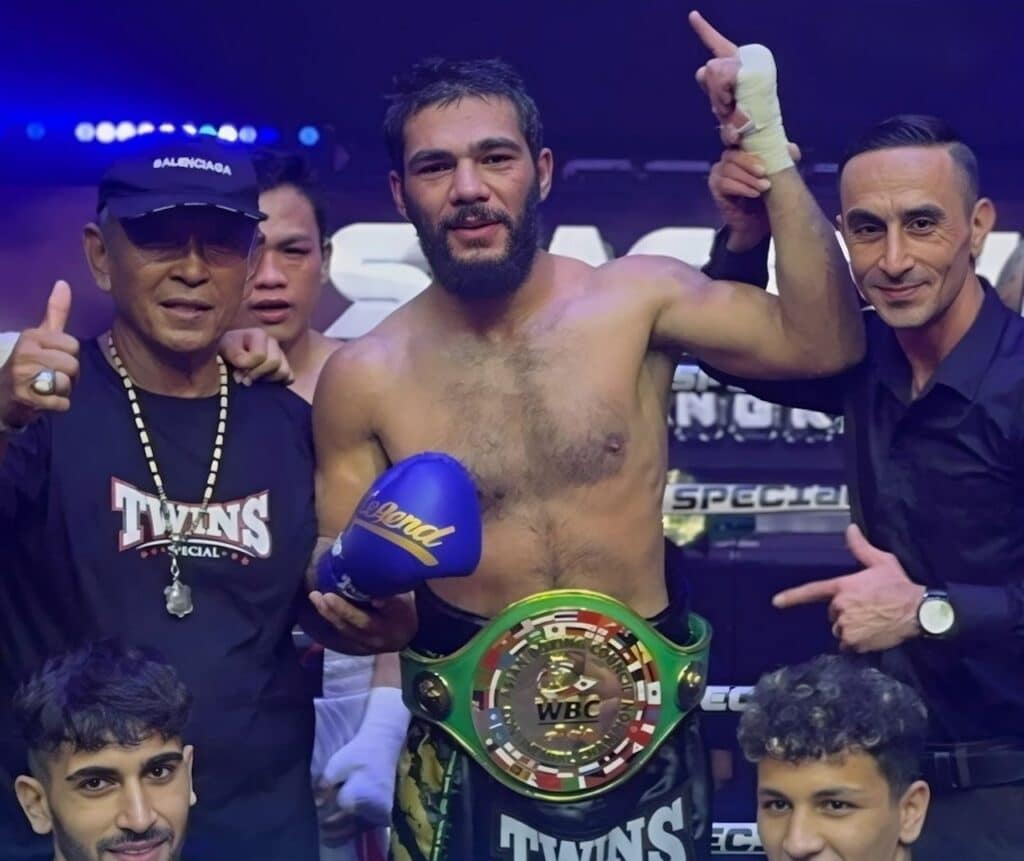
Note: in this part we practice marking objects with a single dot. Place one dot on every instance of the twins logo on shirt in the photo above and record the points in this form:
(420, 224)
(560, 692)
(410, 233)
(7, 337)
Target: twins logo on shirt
(238, 529)
(657, 835)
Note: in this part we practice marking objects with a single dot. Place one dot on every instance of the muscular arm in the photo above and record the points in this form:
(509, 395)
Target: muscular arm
(750, 265)
(812, 328)
(349, 457)
(348, 454)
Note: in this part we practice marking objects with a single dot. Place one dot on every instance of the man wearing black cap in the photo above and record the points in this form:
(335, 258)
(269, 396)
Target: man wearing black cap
(139, 498)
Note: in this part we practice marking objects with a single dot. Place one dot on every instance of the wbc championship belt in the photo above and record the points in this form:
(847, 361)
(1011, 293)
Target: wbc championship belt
(564, 694)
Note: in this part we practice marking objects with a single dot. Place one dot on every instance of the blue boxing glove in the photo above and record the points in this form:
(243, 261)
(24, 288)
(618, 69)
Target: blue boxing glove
(419, 520)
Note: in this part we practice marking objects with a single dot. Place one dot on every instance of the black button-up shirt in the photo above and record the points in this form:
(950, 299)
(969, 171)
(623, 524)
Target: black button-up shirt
(938, 480)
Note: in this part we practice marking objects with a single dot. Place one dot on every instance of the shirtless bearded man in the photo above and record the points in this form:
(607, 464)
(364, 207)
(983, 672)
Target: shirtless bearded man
(549, 379)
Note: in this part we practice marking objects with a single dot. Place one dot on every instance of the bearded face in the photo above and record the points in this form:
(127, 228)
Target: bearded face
(490, 254)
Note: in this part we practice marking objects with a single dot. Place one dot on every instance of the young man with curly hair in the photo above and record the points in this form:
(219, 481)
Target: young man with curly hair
(837, 746)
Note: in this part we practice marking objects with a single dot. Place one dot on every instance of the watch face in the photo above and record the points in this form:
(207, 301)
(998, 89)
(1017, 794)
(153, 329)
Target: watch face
(936, 616)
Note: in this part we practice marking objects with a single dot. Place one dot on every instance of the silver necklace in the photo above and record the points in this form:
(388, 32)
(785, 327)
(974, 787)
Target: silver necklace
(178, 594)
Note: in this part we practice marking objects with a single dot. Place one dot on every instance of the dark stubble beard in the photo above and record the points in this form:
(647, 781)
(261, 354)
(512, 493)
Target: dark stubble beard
(72, 850)
(487, 278)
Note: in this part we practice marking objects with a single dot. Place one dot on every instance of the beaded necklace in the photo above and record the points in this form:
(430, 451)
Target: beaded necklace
(178, 594)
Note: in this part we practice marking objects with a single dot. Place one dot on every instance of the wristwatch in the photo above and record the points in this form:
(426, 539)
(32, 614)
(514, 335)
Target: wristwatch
(935, 614)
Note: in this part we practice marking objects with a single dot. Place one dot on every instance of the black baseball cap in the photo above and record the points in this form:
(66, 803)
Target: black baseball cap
(161, 171)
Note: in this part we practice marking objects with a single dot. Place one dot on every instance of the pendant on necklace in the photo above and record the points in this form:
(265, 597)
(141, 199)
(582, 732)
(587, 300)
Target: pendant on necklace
(179, 599)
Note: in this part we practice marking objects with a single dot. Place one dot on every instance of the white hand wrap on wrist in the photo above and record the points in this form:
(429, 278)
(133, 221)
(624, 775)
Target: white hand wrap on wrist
(365, 767)
(757, 97)
(385, 714)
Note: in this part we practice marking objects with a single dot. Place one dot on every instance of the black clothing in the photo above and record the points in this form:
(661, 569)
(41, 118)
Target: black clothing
(83, 555)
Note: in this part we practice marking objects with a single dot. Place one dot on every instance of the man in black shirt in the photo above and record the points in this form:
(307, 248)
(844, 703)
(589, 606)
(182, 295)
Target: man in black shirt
(159, 501)
(934, 435)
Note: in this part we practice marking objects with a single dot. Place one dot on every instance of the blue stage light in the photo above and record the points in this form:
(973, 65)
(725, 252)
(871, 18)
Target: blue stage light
(208, 129)
(145, 128)
(247, 134)
(124, 130)
(35, 131)
(309, 136)
(85, 132)
(166, 128)
(188, 128)
(269, 135)
(105, 132)
(227, 132)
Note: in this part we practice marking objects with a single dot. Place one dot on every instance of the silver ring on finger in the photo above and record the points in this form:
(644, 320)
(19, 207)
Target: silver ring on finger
(45, 382)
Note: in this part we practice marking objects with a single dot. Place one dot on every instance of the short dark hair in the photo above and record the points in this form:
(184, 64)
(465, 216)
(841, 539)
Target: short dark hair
(831, 706)
(437, 81)
(102, 693)
(905, 130)
(275, 169)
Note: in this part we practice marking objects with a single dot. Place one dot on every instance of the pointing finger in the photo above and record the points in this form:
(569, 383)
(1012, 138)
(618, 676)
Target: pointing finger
(809, 593)
(714, 41)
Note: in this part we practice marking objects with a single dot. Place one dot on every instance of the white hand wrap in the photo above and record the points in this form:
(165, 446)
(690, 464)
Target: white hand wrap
(365, 767)
(757, 97)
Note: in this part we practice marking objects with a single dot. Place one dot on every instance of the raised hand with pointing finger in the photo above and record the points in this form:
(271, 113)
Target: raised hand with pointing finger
(871, 610)
(740, 81)
(42, 368)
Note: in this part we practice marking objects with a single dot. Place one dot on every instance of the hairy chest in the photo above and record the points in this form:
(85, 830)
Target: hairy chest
(531, 422)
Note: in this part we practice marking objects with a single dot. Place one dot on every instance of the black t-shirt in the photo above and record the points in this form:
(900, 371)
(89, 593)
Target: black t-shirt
(83, 554)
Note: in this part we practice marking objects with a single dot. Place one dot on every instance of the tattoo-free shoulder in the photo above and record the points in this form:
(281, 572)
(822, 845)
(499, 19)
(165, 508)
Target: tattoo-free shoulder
(655, 278)
(651, 267)
(354, 378)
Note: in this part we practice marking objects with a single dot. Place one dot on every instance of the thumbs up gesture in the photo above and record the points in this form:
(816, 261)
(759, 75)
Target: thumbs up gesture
(43, 366)
(872, 610)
